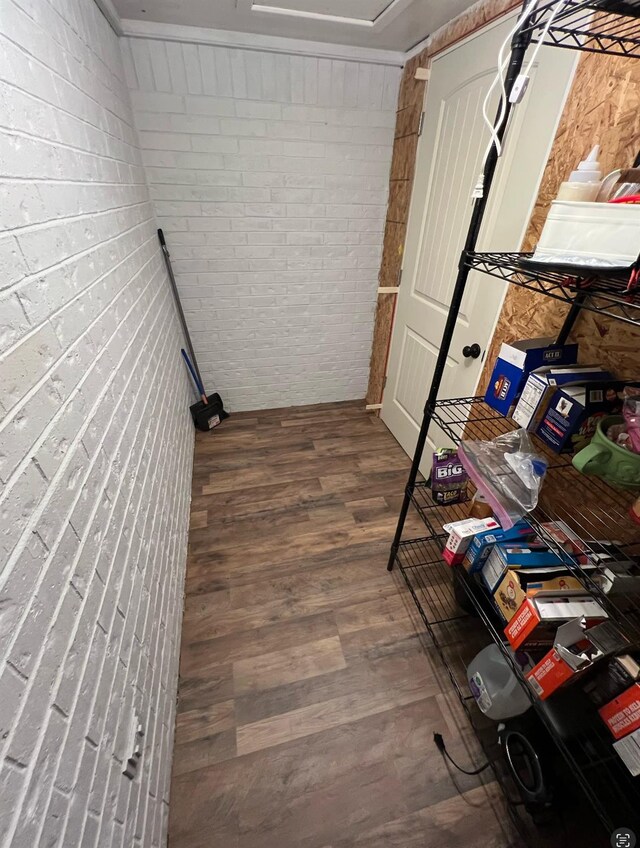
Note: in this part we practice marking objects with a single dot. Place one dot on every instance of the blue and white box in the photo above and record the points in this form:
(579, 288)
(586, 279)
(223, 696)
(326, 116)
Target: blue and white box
(515, 362)
(543, 382)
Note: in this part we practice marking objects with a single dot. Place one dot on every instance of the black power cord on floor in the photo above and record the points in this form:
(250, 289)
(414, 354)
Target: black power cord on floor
(440, 745)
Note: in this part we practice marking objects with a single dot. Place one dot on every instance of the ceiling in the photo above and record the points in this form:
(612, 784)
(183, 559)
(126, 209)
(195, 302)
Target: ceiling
(385, 24)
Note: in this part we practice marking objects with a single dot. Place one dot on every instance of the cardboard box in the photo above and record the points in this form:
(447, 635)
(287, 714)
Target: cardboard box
(622, 715)
(515, 361)
(541, 385)
(460, 535)
(628, 749)
(573, 413)
(564, 536)
(503, 556)
(537, 621)
(518, 585)
(549, 674)
(482, 543)
(577, 645)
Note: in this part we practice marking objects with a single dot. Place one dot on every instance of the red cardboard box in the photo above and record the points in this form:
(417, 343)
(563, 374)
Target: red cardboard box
(550, 673)
(622, 715)
(537, 620)
(523, 623)
(577, 646)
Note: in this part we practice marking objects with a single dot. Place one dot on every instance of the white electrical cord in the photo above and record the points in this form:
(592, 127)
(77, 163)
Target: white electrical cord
(519, 87)
(503, 61)
(522, 81)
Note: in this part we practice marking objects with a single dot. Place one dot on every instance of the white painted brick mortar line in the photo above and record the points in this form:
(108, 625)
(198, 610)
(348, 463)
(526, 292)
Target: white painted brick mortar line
(150, 380)
(312, 139)
(102, 445)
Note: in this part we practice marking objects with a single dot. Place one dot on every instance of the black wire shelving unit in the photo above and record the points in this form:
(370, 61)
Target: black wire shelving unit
(452, 603)
(595, 26)
(437, 589)
(604, 294)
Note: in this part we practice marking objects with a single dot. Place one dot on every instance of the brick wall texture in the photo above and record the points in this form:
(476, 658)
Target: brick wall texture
(269, 173)
(95, 446)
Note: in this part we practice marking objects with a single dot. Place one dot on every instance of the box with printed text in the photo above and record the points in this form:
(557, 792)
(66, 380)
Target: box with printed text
(516, 360)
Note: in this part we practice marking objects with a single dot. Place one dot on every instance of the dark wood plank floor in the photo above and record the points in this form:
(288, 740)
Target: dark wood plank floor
(307, 704)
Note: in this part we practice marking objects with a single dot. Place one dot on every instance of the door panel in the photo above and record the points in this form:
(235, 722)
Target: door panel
(448, 163)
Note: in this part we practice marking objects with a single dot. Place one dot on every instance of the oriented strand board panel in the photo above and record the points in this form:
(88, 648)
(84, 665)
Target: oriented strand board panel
(381, 337)
(603, 106)
(393, 248)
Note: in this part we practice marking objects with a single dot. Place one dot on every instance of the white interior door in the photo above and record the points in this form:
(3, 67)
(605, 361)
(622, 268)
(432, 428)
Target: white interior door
(448, 163)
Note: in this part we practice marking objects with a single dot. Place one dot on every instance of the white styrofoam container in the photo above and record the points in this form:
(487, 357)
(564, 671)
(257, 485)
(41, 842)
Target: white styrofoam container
(578, 232)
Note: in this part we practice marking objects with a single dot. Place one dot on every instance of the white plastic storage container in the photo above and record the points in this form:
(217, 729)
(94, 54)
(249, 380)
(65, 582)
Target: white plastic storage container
(590, 233)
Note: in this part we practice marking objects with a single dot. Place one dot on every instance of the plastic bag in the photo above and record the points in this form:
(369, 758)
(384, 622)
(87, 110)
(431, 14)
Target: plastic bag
(507, 472)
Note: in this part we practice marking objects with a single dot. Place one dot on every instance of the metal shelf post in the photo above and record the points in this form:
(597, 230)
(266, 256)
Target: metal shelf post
(518, 49)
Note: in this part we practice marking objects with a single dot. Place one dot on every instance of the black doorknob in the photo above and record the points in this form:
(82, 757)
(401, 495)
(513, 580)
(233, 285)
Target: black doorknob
(472, 351)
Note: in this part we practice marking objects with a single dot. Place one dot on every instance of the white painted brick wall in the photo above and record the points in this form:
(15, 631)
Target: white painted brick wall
(269, 173)
(95, 445)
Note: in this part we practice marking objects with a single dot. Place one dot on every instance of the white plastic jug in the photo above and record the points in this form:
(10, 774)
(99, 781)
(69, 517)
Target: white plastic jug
(496, 689)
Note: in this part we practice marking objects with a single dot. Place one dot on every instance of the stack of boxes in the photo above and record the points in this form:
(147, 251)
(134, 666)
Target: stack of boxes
(548, 613)
(546, 610)
(540, 386)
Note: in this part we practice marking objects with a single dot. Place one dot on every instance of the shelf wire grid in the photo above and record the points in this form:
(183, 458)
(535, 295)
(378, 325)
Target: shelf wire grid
(609, 786)
(605, 295)
(594, 26)
(430, 583)
(595, 511)
(458, 636)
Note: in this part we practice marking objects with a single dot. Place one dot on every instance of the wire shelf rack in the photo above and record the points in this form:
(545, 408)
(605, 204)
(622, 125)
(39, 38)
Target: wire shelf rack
(595, 26)
(602, 294)
(430, 583)
(596, 512)
(571, 720)
(574, 726)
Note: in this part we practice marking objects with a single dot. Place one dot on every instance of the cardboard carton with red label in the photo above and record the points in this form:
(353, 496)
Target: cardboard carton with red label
(622, 715)
(577, 646)
(537, 620)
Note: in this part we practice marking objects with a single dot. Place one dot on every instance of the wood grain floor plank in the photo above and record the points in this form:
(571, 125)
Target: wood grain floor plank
(362, 676)
(470, 820)
(315, 718)
(306, 705)
(204, 721)
(271, 778)
(204, 752)
(200, 691)
(199, 655)
(298, 662)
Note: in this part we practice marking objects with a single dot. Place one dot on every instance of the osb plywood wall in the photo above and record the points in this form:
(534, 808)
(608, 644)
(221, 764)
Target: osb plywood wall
(603, 106)
(401, 177)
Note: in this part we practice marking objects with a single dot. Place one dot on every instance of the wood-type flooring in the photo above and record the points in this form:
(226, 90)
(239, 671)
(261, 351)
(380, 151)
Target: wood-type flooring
(307, 701)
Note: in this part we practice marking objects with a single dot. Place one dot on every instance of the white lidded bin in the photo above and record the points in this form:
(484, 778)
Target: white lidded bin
(580, 232)
(496, 689)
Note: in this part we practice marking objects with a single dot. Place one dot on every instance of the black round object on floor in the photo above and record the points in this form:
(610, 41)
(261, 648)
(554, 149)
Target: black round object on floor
(524, 765)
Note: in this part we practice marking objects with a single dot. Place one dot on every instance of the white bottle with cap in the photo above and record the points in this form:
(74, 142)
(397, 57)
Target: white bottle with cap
(583, 183)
